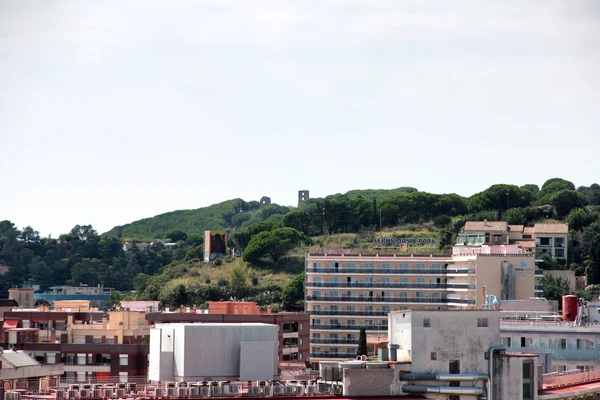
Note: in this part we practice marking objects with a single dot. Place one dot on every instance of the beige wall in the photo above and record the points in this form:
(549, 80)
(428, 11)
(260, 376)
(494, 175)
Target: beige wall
(72, 305)
(489, 273)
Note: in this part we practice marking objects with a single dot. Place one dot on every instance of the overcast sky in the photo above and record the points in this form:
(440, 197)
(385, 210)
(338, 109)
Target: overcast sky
(115, 111)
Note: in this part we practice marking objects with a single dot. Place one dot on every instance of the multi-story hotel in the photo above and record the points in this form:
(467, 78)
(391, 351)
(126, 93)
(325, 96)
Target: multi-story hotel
(345, 292)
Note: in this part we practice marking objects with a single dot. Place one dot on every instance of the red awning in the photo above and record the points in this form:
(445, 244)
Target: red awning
(10, 323)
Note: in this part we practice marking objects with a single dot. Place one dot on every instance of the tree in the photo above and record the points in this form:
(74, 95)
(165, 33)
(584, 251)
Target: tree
(579, 218)
(195, 239)
(275, 243)
(115, 299)
(239, 275)
(362, 342)
(293, 292)
(565, 201)
(552, 186)
(175, 235)
(590, 249)
(554, 287)
(514, 216)
(499, 198)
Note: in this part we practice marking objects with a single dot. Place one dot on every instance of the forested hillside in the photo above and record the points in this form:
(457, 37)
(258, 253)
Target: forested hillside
(274, 237)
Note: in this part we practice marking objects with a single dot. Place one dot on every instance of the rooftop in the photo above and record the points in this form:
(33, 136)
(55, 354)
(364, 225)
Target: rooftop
(486, 226)
(551, 228)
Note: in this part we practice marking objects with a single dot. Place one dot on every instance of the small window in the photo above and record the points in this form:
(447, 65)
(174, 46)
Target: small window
(426, 323)
(482, 322)
(123, 359)
(433, 356)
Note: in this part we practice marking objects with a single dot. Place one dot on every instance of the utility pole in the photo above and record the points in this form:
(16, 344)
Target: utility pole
(380, 227)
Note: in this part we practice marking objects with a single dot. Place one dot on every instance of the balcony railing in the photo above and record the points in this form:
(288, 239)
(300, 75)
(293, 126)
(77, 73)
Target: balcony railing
(391, 299)
(391, 285)
(334, 341)
(394, 271)
(346, 312)
(333, 355)
(569, 378)
(349, 327)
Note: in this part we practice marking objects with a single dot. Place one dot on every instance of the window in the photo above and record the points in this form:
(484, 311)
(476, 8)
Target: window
(559, 242)
(334, 322)
(421, 295)
(317, 265)
(559, 253)
(316, 336)
(351, 309)
(123, 378)
(404, 281)
(436, 295)
(562, 344)
(316, 307)
(333, 308)
(421, 282)
(316, 293)
(436, 266)
(81, 359)
(385, 294)
(545, 242)
(433, 356)
(403, 266)
(123, 359)
(507, 341)
(368, 265)
(482, 322)
(351, 266)
(333, 293)
(368, 309)
(426, 323)
(385, 281)
(420, 266)
(369, 280)
(403, 295)
(528, 383)
(385, 309)
(317, 279)
(351, 322)
(50, 358)
(385, 267)
(333, 279)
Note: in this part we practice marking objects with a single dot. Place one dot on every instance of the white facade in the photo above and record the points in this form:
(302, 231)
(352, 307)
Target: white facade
(203, 351)
(433, 339)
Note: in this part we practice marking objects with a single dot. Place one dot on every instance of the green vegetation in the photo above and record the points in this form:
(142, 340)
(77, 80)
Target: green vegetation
(274, 239)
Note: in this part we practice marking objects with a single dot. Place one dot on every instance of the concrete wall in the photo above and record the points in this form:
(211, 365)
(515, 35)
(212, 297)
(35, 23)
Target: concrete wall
(191, 352)
(367, 382)
(508, 376)
(452, 335)
(545, 306)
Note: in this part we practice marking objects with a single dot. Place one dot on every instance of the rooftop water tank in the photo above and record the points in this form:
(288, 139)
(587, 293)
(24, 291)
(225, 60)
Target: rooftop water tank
(569, 307)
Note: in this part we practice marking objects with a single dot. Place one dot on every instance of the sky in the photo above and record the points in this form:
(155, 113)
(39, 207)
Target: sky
(115, 111)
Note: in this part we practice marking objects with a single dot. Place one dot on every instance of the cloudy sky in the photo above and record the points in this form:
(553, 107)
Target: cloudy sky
(115, 111)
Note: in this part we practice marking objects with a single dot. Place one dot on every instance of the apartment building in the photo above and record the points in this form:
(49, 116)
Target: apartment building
(294, 328)
(91, 345)
(345, 292)
(542, 238)
(96, 295)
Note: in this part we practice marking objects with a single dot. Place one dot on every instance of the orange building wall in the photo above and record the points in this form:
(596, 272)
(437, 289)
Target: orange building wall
(233, 307)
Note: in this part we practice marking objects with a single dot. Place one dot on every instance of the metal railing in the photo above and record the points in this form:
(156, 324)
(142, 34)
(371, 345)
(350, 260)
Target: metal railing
(349, 327)
(391, 285)
(390, 299)
(394, 271)
(334, 341)
(346, 312)
(333, 355)
(568, 378)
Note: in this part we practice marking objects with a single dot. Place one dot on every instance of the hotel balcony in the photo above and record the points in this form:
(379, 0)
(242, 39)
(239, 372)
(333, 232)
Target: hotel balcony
(342, 327)
(391, 271)
(390, 299)
(339, 356)
(374, 285)
(340, 341)
(350, 313)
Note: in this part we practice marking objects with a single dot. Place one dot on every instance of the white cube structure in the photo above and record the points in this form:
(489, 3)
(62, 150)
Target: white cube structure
(205, 351)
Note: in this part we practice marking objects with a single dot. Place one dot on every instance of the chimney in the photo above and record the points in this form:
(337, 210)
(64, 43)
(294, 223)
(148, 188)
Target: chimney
(269, 310)
(484, 292)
